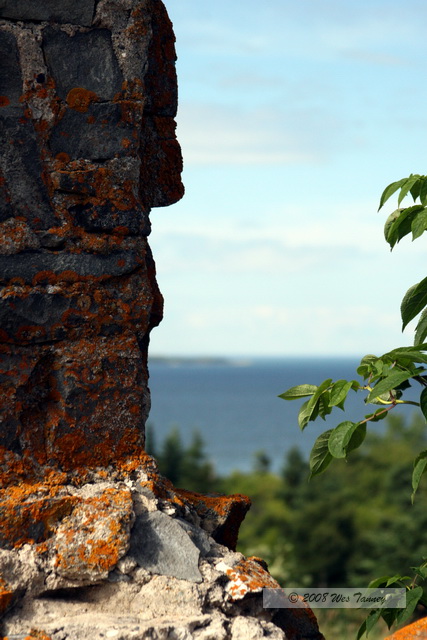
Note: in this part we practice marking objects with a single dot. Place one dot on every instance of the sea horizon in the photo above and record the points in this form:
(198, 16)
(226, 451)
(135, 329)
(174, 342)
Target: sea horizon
(233, 403)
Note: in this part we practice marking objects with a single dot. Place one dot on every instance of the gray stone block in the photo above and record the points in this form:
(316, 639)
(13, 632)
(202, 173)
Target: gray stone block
(103, 134)
(197, 535)
(161, 545)
(22, 169)
(105, 218)
(26, 265)
(36, 309)
(10, 71)
(65, 11)
(84, 60)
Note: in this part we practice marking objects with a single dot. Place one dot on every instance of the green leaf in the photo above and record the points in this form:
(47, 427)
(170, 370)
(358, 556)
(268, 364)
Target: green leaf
(423, 402)
(396, 579)
(320, 458)
(423, 191)
(357, 438)
(416, 349)
(421, 330)
(389, 190)
(366, 365)
(413, 302)
(419, 223)
(387, 384)
(416, 188)
(310, 410)
(378, 582)
(372, 619)
(389, 616)
(300, 391)
(340, 437)
(412, 598)
(421, 571)
(397, 229)
(339, 391)
(407, 186)
(304, 415)
(414, 354)
(362, 630)
(324, 405)
(420, 465)
(394, 215)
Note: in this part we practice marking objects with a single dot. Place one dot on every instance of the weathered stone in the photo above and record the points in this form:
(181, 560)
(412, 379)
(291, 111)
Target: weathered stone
(247, 576)
(198, 536)
(6, 209)
(90, 542)
(104, 133)
(220, 516)
(160, 545)
(16, 236)
(97, 538)
(163, 163)
(22, 169)
(10, 70)
(84, 60)
(94, 543)
(30, 521)
(26, 266)
(72, 11)
(160, 79)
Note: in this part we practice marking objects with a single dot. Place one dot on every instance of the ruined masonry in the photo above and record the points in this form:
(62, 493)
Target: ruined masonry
(94, 543)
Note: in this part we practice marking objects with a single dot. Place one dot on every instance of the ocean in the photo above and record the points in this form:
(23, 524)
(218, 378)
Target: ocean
(234, 405)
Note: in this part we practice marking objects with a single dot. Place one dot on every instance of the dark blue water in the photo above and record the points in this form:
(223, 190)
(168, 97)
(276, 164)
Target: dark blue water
(236, 409)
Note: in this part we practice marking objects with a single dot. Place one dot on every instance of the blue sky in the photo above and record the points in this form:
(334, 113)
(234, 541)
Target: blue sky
(293, 117)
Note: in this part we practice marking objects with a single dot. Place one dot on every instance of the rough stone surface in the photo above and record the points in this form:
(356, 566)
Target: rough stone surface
(94, 543)
(81, 84)
(162, 546)
(112, 559)
(73, 11)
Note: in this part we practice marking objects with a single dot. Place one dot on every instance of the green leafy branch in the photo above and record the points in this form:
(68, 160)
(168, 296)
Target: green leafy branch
(385, 379)
(415, 595)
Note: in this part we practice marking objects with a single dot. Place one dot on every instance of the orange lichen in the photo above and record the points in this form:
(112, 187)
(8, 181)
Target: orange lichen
(37, 634)
(80, 99)
(25, 520)
(44, 277)
(414, 631)
(232, 509)
(131, 90)
(62, 157)
(219, 504)
(113, 508)
(4, 101)
(247, 576)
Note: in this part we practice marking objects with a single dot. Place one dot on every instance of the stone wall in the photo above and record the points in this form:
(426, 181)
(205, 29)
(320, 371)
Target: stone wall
(88, 97)
(94, 543)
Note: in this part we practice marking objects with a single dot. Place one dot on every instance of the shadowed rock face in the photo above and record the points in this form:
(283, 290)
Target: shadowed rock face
(88, 97)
